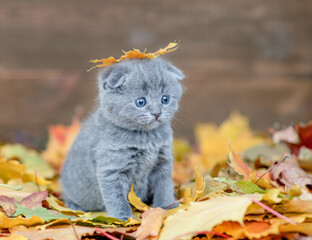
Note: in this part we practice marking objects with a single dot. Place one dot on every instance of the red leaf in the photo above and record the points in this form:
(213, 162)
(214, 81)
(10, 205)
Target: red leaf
(305, 137)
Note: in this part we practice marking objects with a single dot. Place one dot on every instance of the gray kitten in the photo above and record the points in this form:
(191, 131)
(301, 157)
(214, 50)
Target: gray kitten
(127, 140)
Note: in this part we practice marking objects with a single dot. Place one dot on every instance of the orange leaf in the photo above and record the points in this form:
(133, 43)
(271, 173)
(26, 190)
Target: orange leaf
(6, 222)
(152, 220)
(135, 54)
(238, 165)
(60, 141)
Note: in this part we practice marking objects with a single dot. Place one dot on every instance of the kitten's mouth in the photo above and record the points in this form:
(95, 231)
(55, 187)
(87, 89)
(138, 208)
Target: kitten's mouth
(156, 120)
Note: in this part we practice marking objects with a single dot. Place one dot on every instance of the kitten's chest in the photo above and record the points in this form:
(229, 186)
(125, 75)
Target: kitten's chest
(144, 160)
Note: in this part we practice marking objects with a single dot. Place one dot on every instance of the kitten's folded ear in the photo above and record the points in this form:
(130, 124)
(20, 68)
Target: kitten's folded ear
(113, 76)
(175, 72)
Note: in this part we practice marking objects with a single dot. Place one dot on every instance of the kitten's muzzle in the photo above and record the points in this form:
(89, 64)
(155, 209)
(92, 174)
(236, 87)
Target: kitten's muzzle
(157, 115)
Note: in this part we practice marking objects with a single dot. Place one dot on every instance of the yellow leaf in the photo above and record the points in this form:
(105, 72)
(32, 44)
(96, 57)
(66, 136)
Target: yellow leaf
(64, 232)
(136, 201)
(272, 196)
(203, 216)
(11, 169)
(180, 149)
(135, 54)
(305, 228)
(60, 206)
(200, 185)
(213, 141)
(30, 158)
(6, 222)
(263, 182)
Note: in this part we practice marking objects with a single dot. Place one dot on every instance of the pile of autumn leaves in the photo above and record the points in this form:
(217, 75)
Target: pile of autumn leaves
(264, 192)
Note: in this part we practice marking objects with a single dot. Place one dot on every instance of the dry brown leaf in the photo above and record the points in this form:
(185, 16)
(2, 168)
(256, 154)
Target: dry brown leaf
(152, 220)
(288, 173)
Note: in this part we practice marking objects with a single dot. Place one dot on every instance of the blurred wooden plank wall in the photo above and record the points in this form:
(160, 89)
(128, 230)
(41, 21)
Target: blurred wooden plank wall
(253, 56)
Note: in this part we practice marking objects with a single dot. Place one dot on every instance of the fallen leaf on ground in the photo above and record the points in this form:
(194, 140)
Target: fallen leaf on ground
(152, 220)
(203, 216)
(11, 169)
(6, 222)
(288, 173)
(34, 163)
(64, 233)
(42, 213)
(14, 236)
(136, 201)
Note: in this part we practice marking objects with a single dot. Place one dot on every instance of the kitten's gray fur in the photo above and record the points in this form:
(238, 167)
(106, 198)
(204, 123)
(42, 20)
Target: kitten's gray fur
(122, 144)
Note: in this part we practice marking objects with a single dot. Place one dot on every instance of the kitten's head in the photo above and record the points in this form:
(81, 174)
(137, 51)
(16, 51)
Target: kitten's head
(140, 94)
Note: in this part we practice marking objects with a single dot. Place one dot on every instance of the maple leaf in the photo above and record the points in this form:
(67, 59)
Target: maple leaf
(296, 137)
(11, 169)
(249, 174)
(42, 213)
(6, 222)
(203, 216)
(288, 173)
(33, 161)
(213, 141)
(135, 54)
(32, 201)
(64, 233)
(152, 220)
(8, 204)
(60, 141)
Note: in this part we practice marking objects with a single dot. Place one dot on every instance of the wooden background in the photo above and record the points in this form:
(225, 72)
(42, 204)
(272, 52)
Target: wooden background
(247, 55)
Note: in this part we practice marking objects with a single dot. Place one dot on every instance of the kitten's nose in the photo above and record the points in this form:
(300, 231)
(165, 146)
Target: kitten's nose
(156, 115)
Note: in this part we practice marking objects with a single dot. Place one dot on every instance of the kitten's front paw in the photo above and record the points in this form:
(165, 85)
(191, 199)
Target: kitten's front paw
(173, 204)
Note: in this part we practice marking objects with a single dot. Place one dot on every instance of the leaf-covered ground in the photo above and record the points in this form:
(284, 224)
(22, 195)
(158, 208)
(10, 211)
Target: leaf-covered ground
(233, 184)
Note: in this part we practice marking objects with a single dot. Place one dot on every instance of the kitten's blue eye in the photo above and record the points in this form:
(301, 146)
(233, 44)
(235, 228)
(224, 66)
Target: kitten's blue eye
(165, 99)
(140, 102)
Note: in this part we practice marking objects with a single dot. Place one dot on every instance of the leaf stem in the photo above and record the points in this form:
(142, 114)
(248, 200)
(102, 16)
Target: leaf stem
(106, 234)
(273, 211)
